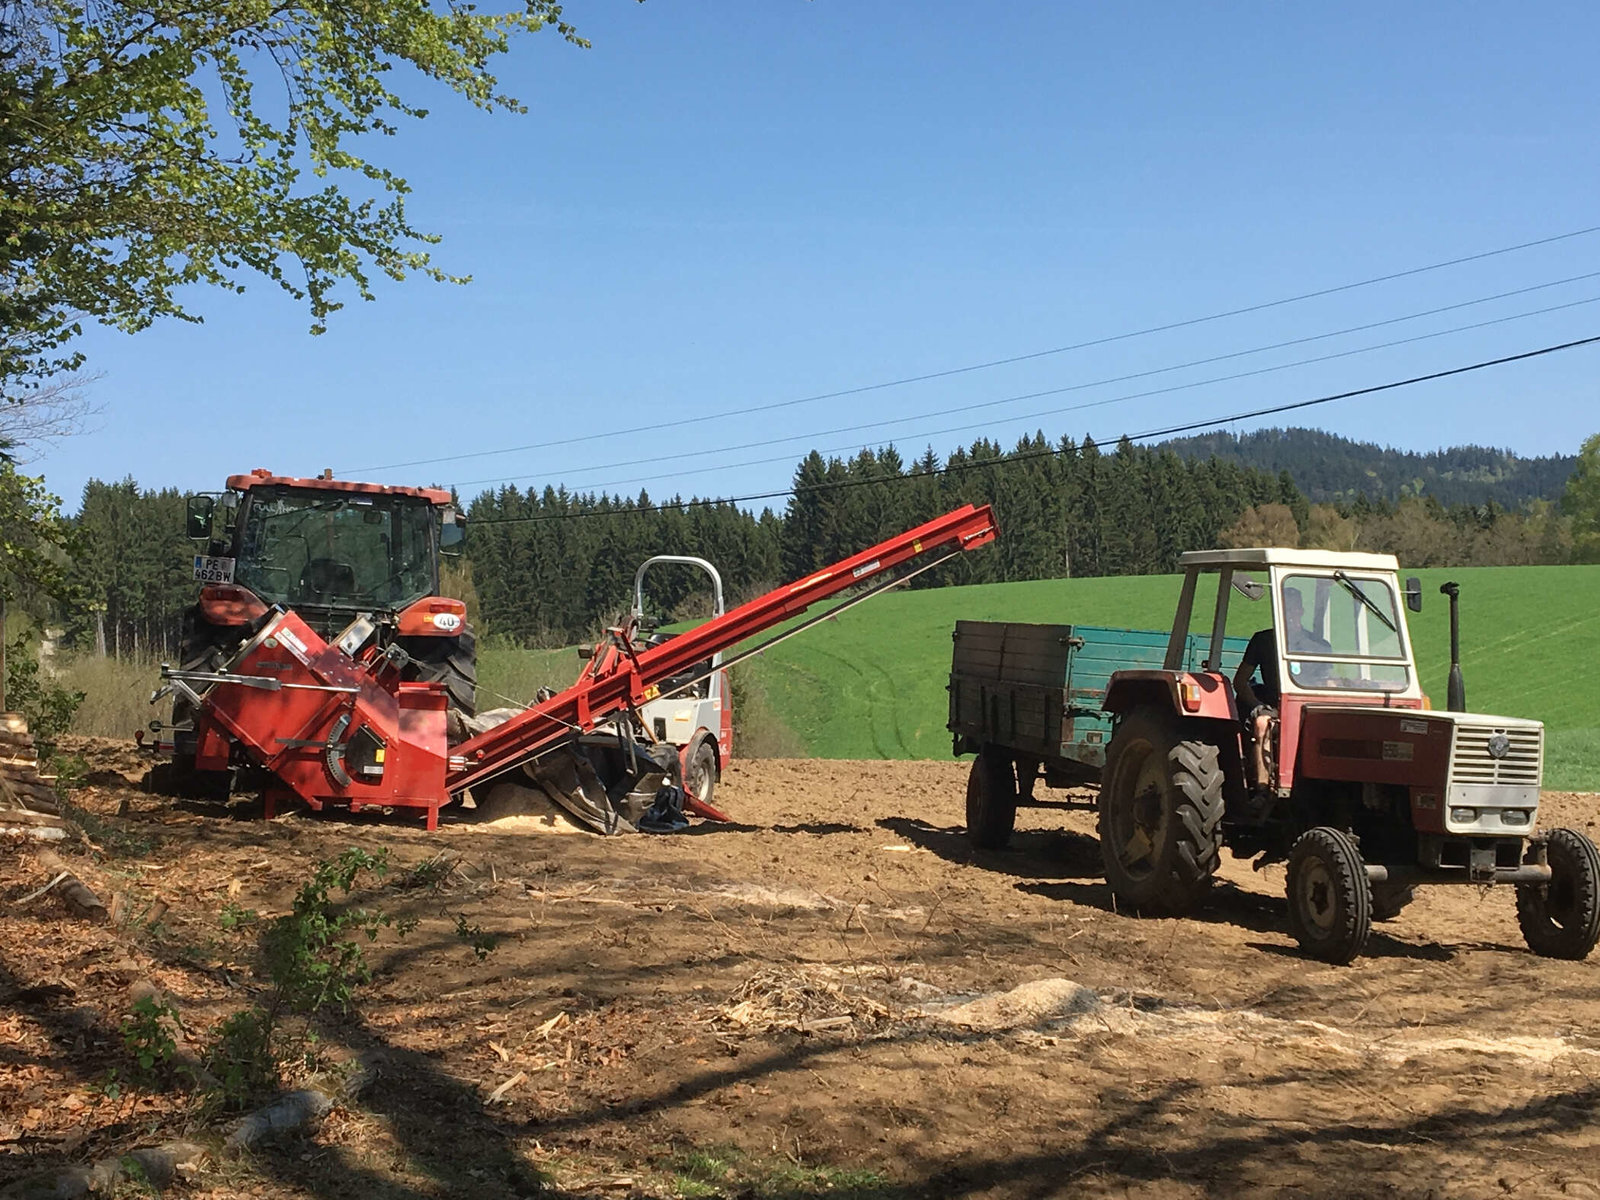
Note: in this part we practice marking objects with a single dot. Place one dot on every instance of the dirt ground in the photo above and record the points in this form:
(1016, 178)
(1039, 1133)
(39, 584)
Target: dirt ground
(835, 995)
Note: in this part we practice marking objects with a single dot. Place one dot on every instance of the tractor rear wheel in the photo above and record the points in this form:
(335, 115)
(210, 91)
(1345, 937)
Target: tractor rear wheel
(202, 646)
(1160, 815)
(1561, 919)
(1330, 900)
(991, 799)
(450, 661)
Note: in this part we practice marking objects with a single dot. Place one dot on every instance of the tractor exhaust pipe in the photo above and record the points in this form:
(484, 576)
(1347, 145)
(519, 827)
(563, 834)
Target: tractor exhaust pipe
(1456, 696)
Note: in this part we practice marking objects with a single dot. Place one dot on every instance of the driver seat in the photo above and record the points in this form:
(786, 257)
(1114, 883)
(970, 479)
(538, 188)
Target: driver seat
(327, 576)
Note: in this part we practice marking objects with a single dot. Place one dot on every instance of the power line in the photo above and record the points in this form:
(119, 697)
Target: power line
(950, 372)
(1055, 412)
(1190, 427)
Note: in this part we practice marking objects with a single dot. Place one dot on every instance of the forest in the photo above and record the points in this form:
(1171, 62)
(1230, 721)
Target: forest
(550, 567)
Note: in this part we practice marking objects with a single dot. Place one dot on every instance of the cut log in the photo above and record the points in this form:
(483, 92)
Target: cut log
(79, 899)
(36, 833)
(150, 1166)
(26, 816)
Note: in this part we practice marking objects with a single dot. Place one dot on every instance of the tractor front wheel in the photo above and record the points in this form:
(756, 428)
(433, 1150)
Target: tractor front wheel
(1160, 815)
(1330, 900)
(991, 799)
(1561, 919)
(1390, 899)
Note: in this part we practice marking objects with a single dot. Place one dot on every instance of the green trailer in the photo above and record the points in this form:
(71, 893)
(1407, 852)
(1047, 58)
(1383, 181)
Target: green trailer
(1027, 699)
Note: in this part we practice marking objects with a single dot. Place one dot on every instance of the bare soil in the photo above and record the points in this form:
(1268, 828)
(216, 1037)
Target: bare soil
(834, 996)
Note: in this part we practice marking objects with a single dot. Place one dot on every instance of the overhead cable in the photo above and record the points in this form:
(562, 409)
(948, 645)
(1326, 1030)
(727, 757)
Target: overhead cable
(950, 372)
(1168, 431)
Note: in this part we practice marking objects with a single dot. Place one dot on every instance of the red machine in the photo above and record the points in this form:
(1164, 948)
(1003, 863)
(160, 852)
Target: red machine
(334, 723)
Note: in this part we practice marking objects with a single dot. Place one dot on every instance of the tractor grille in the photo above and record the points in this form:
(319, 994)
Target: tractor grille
(1472, 762)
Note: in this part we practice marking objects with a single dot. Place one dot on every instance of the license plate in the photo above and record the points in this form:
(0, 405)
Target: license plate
(208, 569)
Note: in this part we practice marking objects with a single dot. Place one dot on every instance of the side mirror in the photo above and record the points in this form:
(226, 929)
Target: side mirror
(1250, 589)
(198, 518)
(452, 531)
(1413, 594)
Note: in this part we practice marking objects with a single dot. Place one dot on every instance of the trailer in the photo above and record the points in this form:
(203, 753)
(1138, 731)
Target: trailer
(1031, 699)
(335, 722)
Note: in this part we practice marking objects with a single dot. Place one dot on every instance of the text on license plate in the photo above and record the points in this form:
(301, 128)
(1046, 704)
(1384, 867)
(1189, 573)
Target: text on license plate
(208, 569)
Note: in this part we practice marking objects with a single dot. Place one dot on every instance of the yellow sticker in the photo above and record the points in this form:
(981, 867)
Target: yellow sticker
(377, 755)
(651, 692)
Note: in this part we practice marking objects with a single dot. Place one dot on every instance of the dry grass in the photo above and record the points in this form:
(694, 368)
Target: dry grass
(116, 693)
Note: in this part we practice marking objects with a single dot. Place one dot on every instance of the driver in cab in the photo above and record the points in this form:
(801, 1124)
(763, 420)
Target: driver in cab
(1259, 697)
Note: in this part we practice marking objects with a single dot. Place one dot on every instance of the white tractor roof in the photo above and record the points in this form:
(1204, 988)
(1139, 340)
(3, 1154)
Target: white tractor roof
(1282, 556)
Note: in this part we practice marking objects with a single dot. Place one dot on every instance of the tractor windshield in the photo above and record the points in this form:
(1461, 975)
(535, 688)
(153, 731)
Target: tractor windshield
(321, 550)
(1343, 631)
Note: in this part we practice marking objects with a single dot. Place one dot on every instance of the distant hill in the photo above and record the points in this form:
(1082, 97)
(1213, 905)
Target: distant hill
(1329, 468)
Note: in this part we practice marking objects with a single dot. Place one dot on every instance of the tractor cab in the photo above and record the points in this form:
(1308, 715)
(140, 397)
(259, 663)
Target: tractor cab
(326, 548)
(1331, 629)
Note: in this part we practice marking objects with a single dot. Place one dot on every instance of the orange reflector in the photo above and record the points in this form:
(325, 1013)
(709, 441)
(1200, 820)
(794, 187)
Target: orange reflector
(1189, 693)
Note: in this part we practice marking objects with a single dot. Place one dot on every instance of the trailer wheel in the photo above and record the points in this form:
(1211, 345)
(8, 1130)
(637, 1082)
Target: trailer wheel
(1389, 900)
(700, 774)
(1330, 900)
(991, 799)
(1561, 919)
(1160, 816)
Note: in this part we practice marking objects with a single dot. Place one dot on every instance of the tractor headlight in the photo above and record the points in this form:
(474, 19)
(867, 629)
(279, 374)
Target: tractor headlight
(1514, 816)
(1463, 816)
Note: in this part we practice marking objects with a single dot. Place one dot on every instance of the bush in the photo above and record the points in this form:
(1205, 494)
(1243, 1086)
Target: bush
(47, 705)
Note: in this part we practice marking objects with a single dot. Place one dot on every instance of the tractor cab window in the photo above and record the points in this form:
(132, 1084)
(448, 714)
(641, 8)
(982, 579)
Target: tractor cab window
(1342, 631)
(317, 550)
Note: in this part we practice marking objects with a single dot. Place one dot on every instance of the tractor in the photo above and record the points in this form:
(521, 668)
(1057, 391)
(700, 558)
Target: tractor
(1356, 783)
(331, 551)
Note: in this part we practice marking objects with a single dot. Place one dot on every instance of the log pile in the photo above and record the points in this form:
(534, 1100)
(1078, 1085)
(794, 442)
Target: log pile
(29, 803)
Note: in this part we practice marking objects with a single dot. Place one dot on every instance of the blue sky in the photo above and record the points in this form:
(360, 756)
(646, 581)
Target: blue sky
(731, 203)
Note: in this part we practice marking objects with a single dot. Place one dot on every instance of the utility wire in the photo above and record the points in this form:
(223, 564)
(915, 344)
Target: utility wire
(1055, 412)
(1168, 431)
(950, 372)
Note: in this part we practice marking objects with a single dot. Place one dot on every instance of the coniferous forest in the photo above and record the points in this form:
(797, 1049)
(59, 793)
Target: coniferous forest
(550, 567)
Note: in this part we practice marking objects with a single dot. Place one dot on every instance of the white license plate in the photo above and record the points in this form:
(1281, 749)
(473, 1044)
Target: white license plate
(213, 570)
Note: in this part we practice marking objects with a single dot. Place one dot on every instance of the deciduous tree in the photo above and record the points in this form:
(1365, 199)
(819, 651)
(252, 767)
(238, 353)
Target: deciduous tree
(146, 145)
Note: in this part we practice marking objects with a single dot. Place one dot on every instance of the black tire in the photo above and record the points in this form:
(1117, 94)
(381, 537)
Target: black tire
(991, 799)
(450, 661)
(202, 646)
(1330, 900)
(1160, 816)
(700, 772)
(1561, 919)
(1389, 900)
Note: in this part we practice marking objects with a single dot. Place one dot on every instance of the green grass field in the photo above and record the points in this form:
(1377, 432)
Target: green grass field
(871, 684)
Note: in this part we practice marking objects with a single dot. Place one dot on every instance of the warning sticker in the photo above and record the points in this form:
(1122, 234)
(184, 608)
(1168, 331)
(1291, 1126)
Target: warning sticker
(1398, 751)
(296, 646)
(866, 568)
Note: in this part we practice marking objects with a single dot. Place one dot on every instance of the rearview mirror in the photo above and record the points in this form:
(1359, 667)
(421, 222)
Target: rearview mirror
(1414, 594)
(198, 521)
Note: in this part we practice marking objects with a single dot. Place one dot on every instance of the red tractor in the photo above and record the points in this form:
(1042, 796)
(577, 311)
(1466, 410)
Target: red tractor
(331, 551)
(1367, 791)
